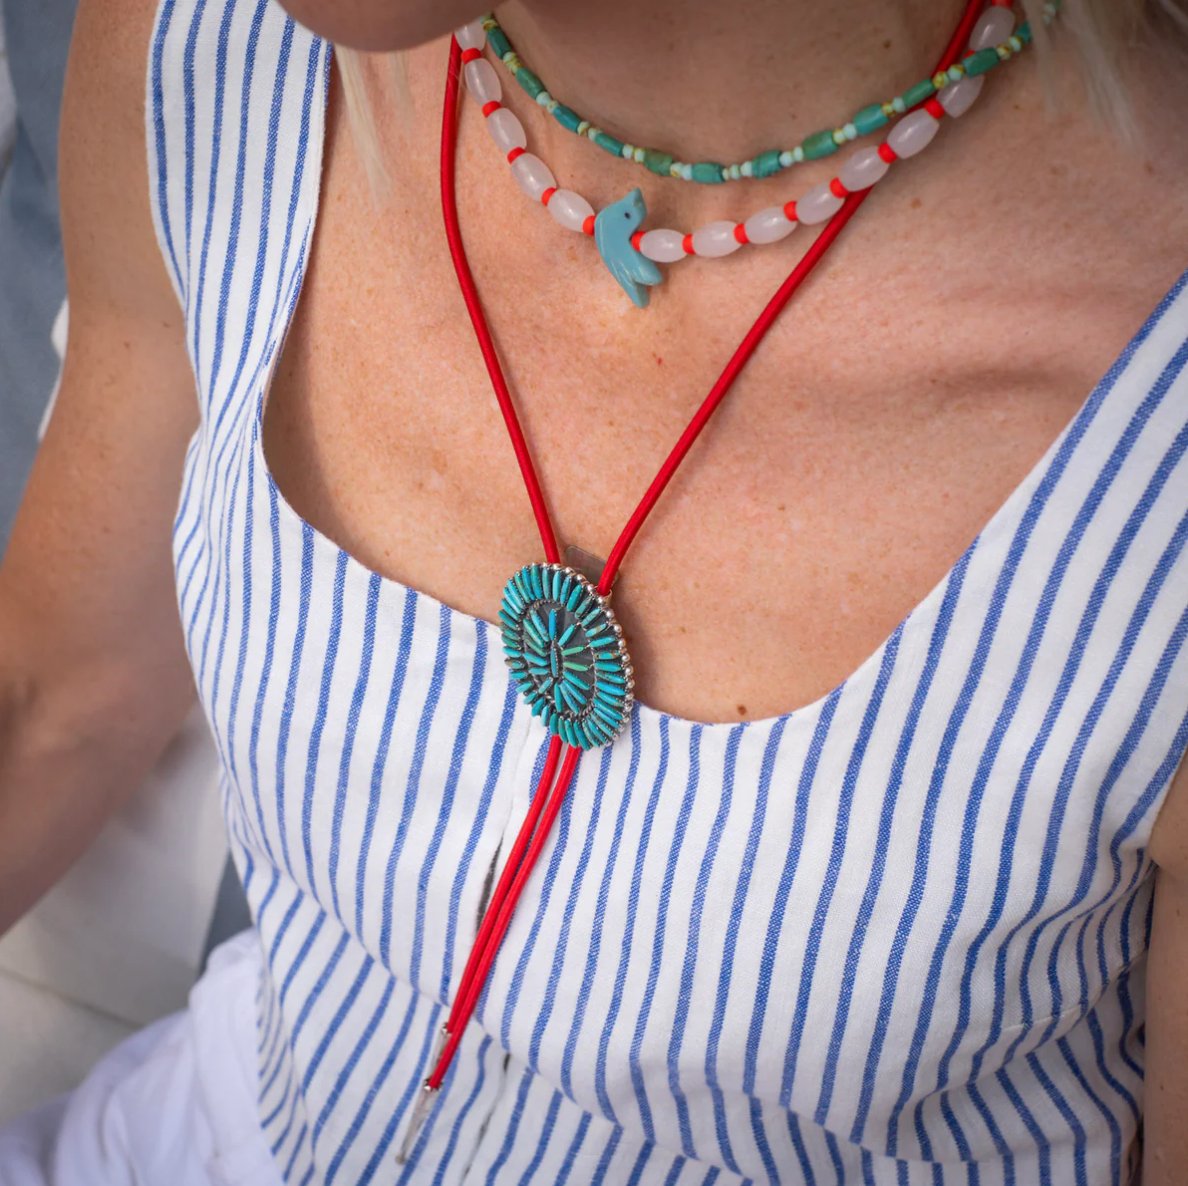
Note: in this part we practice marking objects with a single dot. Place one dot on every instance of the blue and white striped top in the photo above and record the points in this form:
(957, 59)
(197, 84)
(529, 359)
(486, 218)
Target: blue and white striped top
(895, 936)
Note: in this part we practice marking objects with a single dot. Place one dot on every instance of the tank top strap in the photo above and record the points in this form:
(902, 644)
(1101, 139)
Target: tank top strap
(234, 167)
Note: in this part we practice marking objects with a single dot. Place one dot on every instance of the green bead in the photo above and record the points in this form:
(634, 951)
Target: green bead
(766, 163)
(529, 81)
(497, 40)
(707, 172)
(870, 119)
(658, 162)
(918, 93)
(566, 117)
(980, 61)
(819, 144)
(608, 142)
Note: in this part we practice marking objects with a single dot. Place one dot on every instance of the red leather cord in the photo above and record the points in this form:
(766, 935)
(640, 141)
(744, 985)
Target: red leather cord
(547, 798)
(469, 990)
(449, 122)
(510, 868)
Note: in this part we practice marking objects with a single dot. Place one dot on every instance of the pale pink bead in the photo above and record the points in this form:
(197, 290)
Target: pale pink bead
(863, 169)
(769, 226)
(471, 36)
(993, 28)
(958, 97)
(662, 245)
(482, 81)
(569, 209)
(817, 205)
(913, 133)
(533, 175)
(506, 130)
(715, 239)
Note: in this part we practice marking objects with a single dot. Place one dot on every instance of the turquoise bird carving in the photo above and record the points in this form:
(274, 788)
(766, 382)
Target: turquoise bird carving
(613, 229)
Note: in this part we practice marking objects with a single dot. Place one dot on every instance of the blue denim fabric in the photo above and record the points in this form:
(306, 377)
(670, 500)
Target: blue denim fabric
(32, 284)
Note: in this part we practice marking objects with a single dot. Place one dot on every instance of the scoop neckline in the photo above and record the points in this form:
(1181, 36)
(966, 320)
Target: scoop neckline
(998, 522)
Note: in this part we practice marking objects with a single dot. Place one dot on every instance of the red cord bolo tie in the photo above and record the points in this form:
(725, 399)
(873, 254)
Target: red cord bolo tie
(563, 646)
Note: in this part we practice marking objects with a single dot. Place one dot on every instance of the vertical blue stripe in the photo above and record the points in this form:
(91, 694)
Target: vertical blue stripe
(290, 702)
(447, 1157)
(323, 707)
(220, 82)
(513, 1125)
(188, 118)
(661, 932)
(890, 796)
(612, 857)
(413, 789)
(398, 1111)
(362, 678)
(561, 945)
(833, 869)
(693, 947)
(399, 671)
(160, 33)
(457, 754)
(557, 843)
(274, 603)
(612, 1016)
(245, 612)
(511, 698)
(767, 962)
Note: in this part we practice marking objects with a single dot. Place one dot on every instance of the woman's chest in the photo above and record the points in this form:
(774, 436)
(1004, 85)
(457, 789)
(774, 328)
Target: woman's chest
(774, 906)
(821, 504)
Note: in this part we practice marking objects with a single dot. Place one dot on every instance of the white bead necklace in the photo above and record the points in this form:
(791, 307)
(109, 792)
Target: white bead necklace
(864, 168)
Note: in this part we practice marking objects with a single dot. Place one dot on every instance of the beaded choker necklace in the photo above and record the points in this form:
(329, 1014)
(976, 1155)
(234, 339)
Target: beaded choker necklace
(631, 252)
(564, 648)
(990, 44)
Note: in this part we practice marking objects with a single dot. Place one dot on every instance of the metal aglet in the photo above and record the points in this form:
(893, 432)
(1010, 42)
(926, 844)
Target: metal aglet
(425, 1098)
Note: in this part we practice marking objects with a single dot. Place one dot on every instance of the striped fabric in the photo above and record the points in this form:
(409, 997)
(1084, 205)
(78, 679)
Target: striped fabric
(896, 936)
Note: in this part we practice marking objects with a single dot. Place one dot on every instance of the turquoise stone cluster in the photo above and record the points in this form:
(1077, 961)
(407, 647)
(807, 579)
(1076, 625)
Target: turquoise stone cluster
(566, 654)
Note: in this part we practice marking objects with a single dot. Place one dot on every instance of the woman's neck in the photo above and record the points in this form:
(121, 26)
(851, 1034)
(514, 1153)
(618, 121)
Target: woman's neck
(706, 81)
(721, 82)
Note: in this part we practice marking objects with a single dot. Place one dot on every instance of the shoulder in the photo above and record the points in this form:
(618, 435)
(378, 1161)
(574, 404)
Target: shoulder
(111, 255)
(109, 55)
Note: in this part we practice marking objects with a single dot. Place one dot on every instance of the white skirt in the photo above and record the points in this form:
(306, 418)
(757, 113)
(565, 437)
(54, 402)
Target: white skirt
(175, 1104)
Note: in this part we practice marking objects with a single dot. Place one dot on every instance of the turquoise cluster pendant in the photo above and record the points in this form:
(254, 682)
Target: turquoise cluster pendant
(566, 654)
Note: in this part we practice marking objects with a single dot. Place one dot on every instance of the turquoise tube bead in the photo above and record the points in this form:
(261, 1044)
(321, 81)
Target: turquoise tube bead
(766, 163)
(529, 81)
(658, 162)
(819, 144)
(497, 40)
(567, 117)
(918, 93)
(980, 61)
(608, 142)
(870, 119)
(707, 172)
